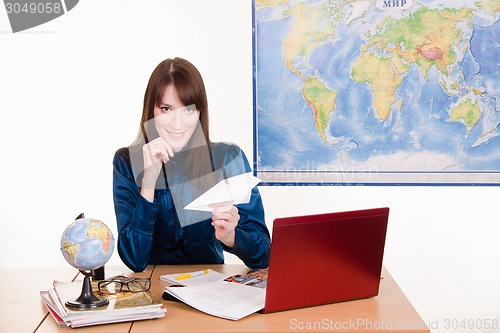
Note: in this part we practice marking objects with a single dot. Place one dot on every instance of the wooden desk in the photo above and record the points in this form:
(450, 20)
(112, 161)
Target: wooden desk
(390, 311)
(391, 308)
(21, 308)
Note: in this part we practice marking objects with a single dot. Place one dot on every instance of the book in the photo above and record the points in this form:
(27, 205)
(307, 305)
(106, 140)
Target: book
(124, 306)
(230, 297)
(47, 301)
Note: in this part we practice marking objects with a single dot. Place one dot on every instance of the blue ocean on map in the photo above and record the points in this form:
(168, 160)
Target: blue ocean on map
(420, 130)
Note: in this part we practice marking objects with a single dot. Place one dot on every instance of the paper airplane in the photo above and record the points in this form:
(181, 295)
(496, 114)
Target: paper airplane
(236, 190)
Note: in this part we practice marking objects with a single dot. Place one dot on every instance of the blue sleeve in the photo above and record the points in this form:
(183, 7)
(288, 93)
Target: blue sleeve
(134, 214)
(252, 239)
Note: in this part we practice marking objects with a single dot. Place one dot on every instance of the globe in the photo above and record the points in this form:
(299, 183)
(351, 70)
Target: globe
(87, 244)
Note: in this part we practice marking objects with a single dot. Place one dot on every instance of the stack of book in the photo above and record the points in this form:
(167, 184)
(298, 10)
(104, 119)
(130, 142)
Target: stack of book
(124, 306)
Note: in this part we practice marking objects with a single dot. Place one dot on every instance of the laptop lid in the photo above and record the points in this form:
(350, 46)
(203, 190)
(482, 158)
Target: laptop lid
(325, 258)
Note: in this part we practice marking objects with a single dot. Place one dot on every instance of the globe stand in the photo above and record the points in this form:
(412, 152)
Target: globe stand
(87, 299)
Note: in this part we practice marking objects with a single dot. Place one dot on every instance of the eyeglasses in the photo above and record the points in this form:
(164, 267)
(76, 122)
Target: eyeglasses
(120, 283)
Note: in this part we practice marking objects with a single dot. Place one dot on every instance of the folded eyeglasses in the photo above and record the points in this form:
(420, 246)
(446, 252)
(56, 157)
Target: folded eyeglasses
(120, 283)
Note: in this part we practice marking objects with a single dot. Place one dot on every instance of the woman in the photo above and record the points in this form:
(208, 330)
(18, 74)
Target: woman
(171, 162)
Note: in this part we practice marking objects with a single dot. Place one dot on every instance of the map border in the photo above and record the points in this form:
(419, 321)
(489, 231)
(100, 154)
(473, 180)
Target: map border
(355, 178)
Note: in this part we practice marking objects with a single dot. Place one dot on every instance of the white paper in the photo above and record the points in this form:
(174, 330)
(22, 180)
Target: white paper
(222, 299)
(236, 190)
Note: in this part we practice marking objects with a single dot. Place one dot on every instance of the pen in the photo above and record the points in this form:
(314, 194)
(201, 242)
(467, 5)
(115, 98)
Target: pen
(193, 274)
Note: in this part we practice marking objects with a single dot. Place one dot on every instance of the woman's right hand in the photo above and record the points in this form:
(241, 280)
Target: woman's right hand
(154, 154)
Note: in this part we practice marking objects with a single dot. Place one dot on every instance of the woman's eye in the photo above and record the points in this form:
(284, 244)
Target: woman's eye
(165, 108)
(190, 109)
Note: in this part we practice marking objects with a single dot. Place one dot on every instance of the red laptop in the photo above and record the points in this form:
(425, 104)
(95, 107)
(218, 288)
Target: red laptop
(325, 258)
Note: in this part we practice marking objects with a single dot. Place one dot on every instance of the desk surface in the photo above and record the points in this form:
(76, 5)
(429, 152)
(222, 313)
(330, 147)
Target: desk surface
(390, 311)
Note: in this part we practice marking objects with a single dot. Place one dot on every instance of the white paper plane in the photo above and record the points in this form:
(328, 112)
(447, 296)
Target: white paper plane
(236, 190)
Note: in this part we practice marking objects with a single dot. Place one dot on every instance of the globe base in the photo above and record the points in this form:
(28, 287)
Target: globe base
(87, 299)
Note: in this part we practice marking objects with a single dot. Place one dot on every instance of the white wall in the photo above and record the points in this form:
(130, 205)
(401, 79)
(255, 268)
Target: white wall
(70, 95)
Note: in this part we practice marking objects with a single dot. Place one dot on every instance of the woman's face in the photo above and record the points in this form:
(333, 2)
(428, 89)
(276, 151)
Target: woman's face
(174, 121)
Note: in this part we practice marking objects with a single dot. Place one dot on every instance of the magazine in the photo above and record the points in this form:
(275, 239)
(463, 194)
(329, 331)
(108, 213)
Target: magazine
(232, 297)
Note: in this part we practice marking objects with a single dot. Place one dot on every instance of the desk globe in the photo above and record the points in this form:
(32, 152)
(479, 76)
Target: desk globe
(87, 244)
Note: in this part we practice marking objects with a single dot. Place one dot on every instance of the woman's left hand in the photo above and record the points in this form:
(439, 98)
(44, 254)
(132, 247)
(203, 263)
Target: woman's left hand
(225, 218)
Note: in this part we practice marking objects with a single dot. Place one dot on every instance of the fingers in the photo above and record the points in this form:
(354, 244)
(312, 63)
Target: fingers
(226, 212)
(159, 149)
(221, 206)
(164, 145)
(223, 224)
(225, 219)
(223, 228)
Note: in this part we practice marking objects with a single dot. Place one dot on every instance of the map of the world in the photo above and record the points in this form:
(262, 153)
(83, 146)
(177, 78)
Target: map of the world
(377, 92)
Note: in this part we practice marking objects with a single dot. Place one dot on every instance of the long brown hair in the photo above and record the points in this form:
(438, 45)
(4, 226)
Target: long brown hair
(187, 80)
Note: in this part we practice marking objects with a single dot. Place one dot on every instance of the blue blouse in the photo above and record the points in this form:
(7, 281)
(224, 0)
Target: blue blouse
(150, 232)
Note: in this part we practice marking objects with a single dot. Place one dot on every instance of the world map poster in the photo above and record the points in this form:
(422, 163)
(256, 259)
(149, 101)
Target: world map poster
(377, 92)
